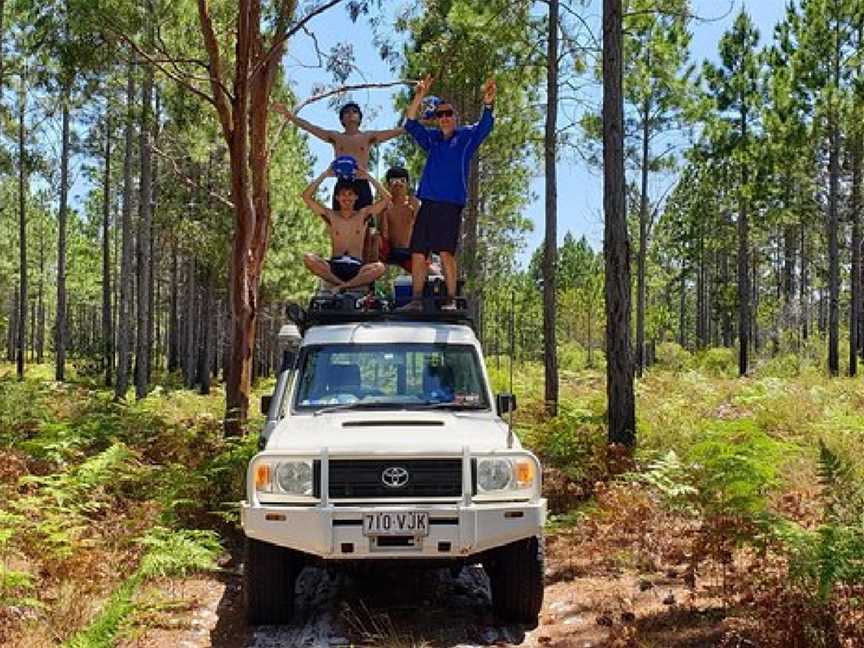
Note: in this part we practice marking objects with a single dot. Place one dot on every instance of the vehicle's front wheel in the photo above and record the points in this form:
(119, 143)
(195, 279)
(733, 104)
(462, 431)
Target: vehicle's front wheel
(269, 577)
(516, 578)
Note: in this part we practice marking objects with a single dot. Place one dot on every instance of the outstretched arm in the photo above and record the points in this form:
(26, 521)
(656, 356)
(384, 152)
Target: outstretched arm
(317, 131)
(312, 202)
(377, 137)
(383, 196)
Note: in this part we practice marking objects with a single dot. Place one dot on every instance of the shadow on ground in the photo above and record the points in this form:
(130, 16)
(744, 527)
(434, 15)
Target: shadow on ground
(381, 607)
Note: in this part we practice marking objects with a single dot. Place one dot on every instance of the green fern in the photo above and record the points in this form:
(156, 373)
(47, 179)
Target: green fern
(178, 552)
(671, 479)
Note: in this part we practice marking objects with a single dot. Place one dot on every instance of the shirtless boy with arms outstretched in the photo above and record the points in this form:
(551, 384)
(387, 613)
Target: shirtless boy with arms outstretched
(347, 228)
(397, 221)
(351, 141)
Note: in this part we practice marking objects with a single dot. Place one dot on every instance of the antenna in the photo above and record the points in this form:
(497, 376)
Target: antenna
(512, 356)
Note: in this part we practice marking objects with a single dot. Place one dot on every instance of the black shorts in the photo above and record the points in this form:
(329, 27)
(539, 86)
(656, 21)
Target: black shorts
(364, 195)
(398, 256)
(437, 227)
(345, 267)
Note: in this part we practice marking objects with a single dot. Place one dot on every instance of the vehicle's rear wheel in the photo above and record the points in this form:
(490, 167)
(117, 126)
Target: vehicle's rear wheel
(516, 578)
(269, 577)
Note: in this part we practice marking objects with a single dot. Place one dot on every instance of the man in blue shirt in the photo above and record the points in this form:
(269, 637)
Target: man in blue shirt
(443, 186)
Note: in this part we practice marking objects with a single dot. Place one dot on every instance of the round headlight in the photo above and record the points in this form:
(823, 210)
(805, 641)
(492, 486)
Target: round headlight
(494, 474)
(295, 477)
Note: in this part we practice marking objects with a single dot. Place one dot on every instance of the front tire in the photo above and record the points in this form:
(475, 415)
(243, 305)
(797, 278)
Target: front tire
(516, 578)
(269, 575)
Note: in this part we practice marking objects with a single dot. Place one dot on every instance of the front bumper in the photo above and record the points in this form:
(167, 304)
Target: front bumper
(336, 532)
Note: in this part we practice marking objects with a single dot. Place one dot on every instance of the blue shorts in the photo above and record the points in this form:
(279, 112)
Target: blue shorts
(345, 267)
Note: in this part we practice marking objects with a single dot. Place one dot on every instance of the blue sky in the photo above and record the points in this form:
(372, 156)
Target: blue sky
(579, 188)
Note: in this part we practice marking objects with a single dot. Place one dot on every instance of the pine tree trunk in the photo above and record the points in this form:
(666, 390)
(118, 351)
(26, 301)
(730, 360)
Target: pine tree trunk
(643, 242)
(107, 322)
(60, 332)
(855, 297)
(173, 333)
(743, 263)
(616, 246)
(12, 330)
(40, 300)
(191, 319)
(145, 216)
(833, 218)
(206, 335)
(754, 303)
(804, 288)
(21, 326)
(682, 309)
(550, 248)
(125, 326)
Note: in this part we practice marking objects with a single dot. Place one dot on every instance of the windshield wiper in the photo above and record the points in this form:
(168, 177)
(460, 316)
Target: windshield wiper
(358, 405)
(447, 405)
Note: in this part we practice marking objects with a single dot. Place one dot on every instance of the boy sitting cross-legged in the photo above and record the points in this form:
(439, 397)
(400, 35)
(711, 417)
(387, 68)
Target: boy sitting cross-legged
(347, 227)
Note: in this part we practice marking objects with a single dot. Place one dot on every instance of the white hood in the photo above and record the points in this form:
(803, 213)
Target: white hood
(389, 432)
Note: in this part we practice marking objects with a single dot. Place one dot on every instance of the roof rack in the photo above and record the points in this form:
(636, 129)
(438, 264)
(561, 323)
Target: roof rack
(346, 308)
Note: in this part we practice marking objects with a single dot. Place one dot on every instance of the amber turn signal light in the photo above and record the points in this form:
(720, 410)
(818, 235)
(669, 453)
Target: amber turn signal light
(262, 476)
(524, 470)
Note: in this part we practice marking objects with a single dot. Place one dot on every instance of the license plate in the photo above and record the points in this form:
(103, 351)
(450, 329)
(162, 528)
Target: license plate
(415, 523)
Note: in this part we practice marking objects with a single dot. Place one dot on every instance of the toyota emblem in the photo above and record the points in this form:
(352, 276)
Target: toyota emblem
(394, 477)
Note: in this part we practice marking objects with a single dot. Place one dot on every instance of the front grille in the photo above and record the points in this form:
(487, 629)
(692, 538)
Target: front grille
(361, 478)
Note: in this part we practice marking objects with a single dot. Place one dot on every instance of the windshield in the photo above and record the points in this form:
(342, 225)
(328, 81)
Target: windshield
(391, 376)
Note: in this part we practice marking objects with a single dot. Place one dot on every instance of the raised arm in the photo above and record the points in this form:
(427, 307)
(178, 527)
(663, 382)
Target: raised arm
(420, 92)
(483, 127)
(418, 132)
(383, 197)
(310, 199)
(309, 127)
(377, 137)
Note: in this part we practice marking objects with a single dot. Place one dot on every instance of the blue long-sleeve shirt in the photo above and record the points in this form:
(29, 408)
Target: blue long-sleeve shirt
(445, 176)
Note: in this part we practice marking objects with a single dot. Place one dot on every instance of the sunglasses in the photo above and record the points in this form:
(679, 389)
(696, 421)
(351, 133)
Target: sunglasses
(444, 113)
(403, 181)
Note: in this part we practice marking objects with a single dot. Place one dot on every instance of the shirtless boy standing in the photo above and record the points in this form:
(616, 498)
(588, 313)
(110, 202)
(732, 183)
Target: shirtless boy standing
(397, 221)
(351, 141)
(347, 227)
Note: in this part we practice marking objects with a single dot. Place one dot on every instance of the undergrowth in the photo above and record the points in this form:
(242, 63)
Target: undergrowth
(93, 491)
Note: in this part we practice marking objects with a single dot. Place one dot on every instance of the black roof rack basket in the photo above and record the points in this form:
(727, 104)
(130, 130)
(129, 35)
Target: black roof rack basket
(346, 308)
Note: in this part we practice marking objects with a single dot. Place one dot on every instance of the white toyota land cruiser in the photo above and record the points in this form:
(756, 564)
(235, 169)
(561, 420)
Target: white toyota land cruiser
(384, 442)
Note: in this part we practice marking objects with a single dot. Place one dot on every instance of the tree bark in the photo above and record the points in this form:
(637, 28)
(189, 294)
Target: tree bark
(124, 329)
(205, 344)
(682, 308)
(833, 218)
(145, 218)
(855, 298)
(40, 300)
(616, 246)
(173, 333)
(191, 320)
(743, 263)
(643, 241)
(550, 248)
(21, 326)
(107, 322)
(243, 120)
(60, 332)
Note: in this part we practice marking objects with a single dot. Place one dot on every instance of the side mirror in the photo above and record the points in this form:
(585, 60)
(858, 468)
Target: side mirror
(265, 403)
(505, 403)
